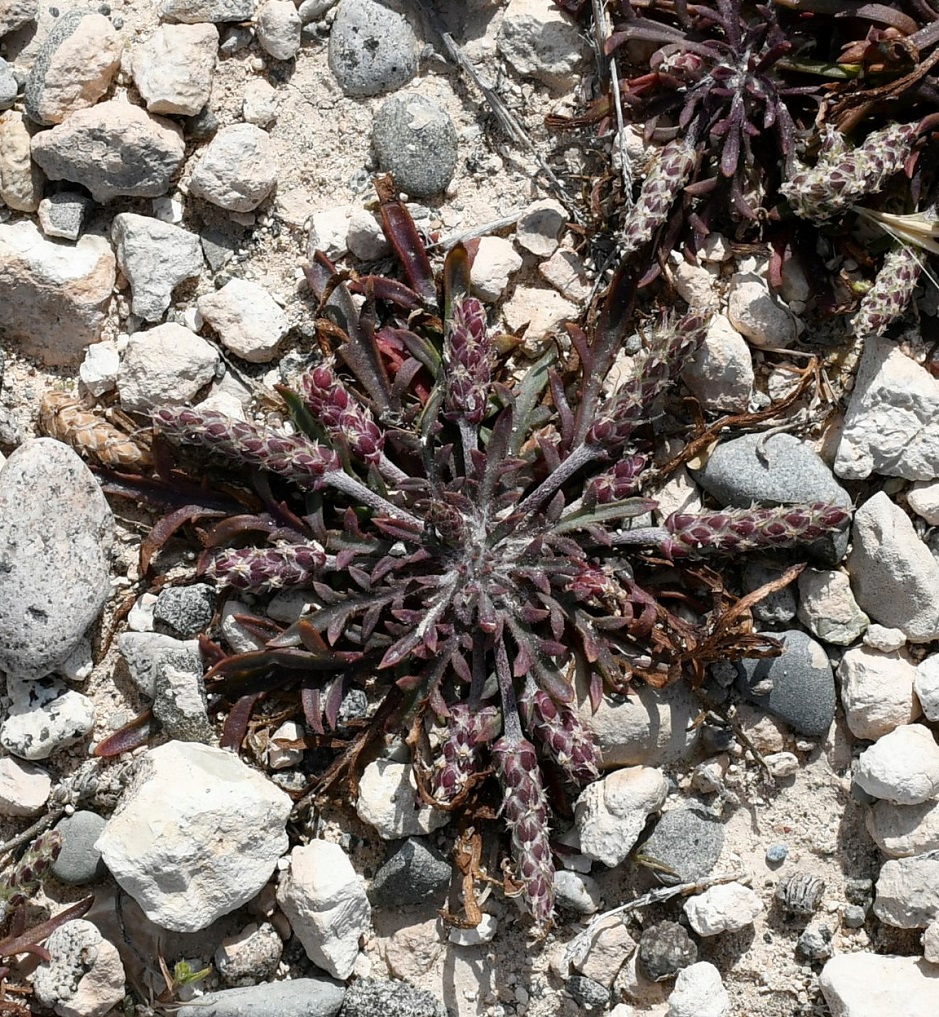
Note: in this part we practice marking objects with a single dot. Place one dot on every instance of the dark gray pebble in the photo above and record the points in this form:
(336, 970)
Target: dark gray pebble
(372, 47)
(416, 142)
(688, 840)
(854, 916)
(859, 891)
(79, 862)
(587, 992)
(299, 997)
(664, 950)
(201, 126)
(373, 997)
(779, 608)
(184, 611)
(798, 686)
(780, 470)
(414, 874)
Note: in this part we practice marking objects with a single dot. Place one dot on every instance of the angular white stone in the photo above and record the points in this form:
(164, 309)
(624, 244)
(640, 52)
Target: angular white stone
(758, 314)
(173, 68)
(902, 767)
(539, 42)
(611, 813)
(889, 427)
(24, 788)
(166, 364)
(278, 28)
(720, 374)
(483, 933)
(539, 227)
(326, 905)
(893, 574)
(828, 608)
(931, 943)
(389, 802)
(237, 169)
(249, 321)
(872, 985)
(908, 891)
(876, 691)
(196, 835)
(495, 263)
(699, 992)
(904, 830)
(923, 499)
(726, 907)
(926, 686)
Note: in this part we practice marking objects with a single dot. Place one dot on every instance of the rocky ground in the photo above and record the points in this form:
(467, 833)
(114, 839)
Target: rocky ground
(164, 169)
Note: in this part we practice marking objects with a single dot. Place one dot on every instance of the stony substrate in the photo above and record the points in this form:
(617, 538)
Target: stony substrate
(163, 168)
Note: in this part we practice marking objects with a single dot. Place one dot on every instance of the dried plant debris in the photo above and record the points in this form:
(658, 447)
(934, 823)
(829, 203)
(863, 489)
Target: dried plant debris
(471, 528)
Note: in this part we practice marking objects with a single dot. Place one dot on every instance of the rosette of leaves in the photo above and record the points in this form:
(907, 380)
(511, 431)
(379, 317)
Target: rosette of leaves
(467, 528)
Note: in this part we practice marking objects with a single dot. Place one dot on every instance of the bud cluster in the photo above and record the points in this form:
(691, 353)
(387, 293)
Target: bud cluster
(467, 349)
(561, 731)
(525, 809)
(675, 165)
(270, 568)
(340, 413)
(891, 293)
(461, 756)
(620, 481)
(292, 456)
(25, 878)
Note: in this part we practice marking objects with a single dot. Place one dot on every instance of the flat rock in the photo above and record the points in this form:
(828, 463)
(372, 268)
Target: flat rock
(908, 891)
(688, 840)
(114, 149)
(196, 11)
(56, 531)
(876, 691)
(74, 66)
(889, 424)
(415, 140)
(389, 802)
(901, 831)
(872, 985)
(414, 874)
(44, 716)
(24, 788)
(780, 470)
(64, 214)
(196, 835)
(166, 364)
(798, 686)
(540, 42)
(326, 904)
(249, 321)
(372, 47)
(902, 766)
(174, 67)
(237, 170)
(155, 257)
(21, 180)
(612, 812)
(298, 997)
(893, 574)
(54, 296)
(377, 997)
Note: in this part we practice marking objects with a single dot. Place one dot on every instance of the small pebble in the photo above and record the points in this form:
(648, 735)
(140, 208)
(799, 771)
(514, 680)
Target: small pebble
(79, 862)
(587, 993)
(184, 611)
(664, 949)
(776, 854)
(815, 942)
(854, 916)
(416, 142)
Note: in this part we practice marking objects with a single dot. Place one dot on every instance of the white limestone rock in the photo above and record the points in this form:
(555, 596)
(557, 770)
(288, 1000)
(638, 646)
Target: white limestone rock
(21, 179)
(908, 891)
(495, 263)
(902, 767)
(237, 170)
(249, 321)
(100, 367)
(24, 788)
(174, 67)
(876, 691)
(923, 499)
(893, 574)
(389, 802)
(931, 942)
(901, 831)
(611, 813)
(926, 685)
(699, 992)
(326, 904)
(196, 835)
(278, 27)
(166, 364)
(758, 314)
(866, 984)
(827, 607)
(720, 374)
(85, 977)
(726, 907)
(542, 43)
(539, 227)
(888, 427)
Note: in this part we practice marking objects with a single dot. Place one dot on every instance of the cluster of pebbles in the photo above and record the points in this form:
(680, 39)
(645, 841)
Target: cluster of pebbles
(163, 166)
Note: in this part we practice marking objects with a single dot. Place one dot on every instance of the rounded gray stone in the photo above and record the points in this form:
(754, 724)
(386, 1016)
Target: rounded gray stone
(184, 611)
(79, 862)
(56, 531)
(416, 142)
(780, 470)
(372, 47)
(687, 840)
(798, 686)
(664, 949)
(414, 874)
(374, 997)
(587, 992)
(298, 997)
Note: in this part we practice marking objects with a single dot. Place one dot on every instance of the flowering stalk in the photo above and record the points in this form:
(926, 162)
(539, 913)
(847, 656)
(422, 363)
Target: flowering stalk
(562, 734)
(257, 568)
(466, 733)
(891, 293)
(26, 875)
(676, 163)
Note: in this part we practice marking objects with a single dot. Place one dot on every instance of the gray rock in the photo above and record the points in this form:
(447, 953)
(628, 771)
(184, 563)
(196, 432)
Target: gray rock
(586, 992)
(15, 14)
(56, 531)
(193, 11)
(798, 686)
(235, 39)
(815, 942)
(143, 651)
(781, 470)
(373, 997)
(218, 248)
(372, 47)
(299, 997)
(237, 169)
(184, 610)
(63, 215)
(278, 29)
(688, 839)
(664, 949)
(179, 701)
(249, 957)
(144, 152)
(415, 874)
(415, 140)
(779, 608)
(9, 87)
(79, 861)
(44, 716)
(155, 257)
(908, 891)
